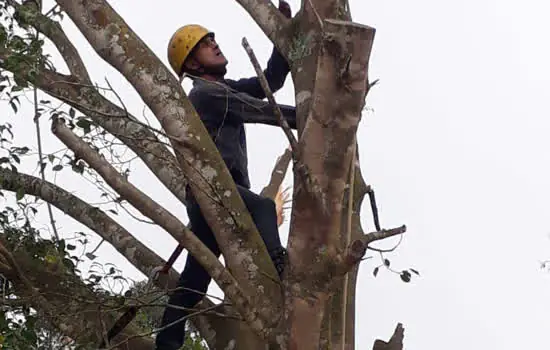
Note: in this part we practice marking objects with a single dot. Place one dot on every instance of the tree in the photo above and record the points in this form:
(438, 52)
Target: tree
(313, 305)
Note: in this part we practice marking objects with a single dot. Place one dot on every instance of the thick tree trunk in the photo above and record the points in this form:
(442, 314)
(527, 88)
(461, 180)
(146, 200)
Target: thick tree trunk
(327, 141)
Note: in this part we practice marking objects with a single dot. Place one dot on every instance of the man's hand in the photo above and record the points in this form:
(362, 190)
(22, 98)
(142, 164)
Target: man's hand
(284, 7)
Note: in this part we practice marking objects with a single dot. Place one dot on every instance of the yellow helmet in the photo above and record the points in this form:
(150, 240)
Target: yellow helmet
(182, 43)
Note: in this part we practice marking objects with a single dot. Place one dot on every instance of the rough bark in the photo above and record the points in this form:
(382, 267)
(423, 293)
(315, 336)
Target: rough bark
(94, 218)
(78, 91)
(326, 142)
(66, 302)
(209, 178)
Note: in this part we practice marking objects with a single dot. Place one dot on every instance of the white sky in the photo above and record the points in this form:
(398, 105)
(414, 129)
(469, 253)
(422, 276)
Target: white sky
(455, 149)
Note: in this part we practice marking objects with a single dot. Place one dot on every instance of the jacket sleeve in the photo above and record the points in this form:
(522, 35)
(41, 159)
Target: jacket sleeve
(275, 73)
(220, 102)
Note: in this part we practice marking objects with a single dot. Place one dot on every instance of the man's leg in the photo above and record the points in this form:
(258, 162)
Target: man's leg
(193, 278)
(264, 215)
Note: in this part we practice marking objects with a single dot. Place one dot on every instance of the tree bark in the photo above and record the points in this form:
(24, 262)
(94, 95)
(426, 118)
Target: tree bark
(74, 308)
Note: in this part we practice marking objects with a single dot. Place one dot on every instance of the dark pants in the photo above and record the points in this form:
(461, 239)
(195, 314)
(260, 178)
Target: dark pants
(195, 278)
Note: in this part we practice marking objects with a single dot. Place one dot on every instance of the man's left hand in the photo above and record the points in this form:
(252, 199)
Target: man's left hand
(284, 7)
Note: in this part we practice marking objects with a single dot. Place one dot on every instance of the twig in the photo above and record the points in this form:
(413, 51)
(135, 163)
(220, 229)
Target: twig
(271, 98)
(358, 248)
(42, 175)
(118, 98)
(277, 175)
(387, 250)
(374, 208)
(296, 154)
(317, 15)
(164, 327)
(383, 234)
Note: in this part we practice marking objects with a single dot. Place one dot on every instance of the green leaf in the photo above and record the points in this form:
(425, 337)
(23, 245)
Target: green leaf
(415, 272)
(57, 167)
(387, 262)
(85, 124)
(375, 272)
(20, 193)
(405, 276)
(72, 112)
(16, 158)
(71, 247)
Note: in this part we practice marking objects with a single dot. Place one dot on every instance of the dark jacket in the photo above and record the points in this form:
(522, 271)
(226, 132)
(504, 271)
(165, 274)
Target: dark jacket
(225, 106)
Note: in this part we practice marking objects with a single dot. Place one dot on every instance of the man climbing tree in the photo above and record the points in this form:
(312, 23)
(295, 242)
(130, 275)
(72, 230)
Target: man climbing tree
(224, 106)
(201, 159)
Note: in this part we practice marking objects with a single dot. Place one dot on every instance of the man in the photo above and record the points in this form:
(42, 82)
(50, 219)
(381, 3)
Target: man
(224, 106)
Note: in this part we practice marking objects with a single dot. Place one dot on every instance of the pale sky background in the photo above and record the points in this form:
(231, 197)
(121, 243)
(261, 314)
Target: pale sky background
(456, 148)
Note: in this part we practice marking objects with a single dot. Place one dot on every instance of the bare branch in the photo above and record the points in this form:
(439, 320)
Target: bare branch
(358, 248)
(272, 22)
(277, 175)
(271, 99)
(164, 219)
(395, 342)
(300, 167)
(111, 117)
(74, 313)
(55, 33)
(136, 252)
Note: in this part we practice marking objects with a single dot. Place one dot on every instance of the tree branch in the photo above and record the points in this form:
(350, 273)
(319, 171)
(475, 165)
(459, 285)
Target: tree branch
(358, 248)
(117, 121)
(272, 22)
(95, 219)
(395, 342)
(277, 175)
(74, 313)
(30, 14)
(299, 165)
(265, 86)
(164, 219)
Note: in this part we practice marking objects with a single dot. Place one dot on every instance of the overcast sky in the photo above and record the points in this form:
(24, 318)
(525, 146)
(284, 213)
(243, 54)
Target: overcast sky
(456, 148)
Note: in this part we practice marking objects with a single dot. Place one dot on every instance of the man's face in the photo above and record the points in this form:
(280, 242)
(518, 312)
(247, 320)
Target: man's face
(208, 57)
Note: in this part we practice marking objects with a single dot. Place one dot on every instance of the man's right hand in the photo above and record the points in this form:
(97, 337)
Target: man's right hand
(284, 7)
